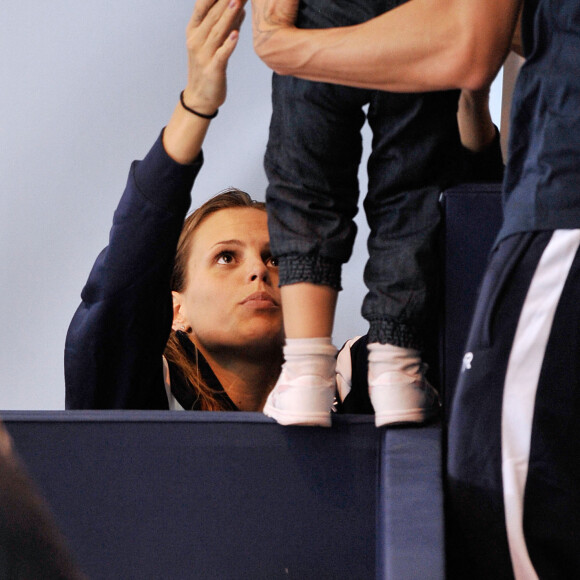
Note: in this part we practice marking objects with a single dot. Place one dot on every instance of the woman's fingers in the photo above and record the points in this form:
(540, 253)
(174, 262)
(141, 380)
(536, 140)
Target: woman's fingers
(200, 11)
(226, 49)
(207, 34)
(212, 36)
(214, 19)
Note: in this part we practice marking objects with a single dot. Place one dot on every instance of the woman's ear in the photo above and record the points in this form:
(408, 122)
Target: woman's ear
(179, 321)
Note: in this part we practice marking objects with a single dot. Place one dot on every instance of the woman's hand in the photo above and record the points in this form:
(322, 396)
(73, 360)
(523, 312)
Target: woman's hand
(212, 36)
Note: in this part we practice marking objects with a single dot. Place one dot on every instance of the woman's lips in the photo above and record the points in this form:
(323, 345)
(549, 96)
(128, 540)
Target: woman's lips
(260, 299)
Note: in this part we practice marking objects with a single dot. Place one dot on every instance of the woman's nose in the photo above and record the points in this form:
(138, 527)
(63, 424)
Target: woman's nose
(259, 270)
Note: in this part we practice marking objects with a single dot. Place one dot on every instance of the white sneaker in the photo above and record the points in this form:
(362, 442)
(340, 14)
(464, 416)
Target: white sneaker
(304, 400)
(398, 398)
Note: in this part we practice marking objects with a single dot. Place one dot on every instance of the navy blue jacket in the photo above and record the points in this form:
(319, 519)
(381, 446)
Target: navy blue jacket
(116, 339)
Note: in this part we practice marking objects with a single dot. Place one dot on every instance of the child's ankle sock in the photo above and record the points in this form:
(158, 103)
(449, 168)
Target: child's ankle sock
(388, 358)
(310, 356)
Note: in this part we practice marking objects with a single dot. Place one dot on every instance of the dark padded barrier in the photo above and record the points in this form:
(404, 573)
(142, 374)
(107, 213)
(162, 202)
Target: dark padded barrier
(157, 495)
(472, 218)
(409, 532)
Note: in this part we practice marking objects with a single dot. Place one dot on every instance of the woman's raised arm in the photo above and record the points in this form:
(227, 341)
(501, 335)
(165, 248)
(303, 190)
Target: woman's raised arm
(212, 35)
(116, 339)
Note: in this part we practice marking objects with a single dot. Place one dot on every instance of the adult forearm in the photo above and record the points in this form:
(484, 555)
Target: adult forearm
(184, 135)
(476, 128)
(212, 35)
(421, 45)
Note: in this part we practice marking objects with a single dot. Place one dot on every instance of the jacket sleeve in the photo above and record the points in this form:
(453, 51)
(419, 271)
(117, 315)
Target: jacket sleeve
(115, 341)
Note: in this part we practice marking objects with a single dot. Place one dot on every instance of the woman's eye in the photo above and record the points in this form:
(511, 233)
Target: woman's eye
(225, 258)
(273, 261)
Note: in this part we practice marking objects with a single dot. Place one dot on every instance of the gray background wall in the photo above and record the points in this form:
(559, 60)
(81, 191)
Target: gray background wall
(86, 88)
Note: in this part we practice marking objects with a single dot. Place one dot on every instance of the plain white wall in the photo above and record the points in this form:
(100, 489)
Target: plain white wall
(87, 87)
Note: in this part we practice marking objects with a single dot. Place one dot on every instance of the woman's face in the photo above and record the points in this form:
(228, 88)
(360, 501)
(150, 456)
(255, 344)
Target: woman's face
(231, 297)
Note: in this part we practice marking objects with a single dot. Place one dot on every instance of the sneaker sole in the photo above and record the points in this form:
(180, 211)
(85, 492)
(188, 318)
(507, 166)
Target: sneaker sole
(410, 417)
(403, 403)
(319, 419)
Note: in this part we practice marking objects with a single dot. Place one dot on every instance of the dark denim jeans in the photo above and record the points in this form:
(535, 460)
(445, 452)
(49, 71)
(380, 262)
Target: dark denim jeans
(312, 161)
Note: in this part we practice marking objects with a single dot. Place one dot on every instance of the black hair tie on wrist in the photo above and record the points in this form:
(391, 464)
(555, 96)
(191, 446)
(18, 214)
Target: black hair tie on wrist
(202, 115)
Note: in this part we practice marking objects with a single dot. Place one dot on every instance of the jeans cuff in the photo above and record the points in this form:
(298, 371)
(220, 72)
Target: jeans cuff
(312, 269)
(388, 331)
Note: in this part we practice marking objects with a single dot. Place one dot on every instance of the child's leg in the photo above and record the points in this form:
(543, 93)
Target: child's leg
(415, 147)
(305, 390)
(312, 166)
(308, 310)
